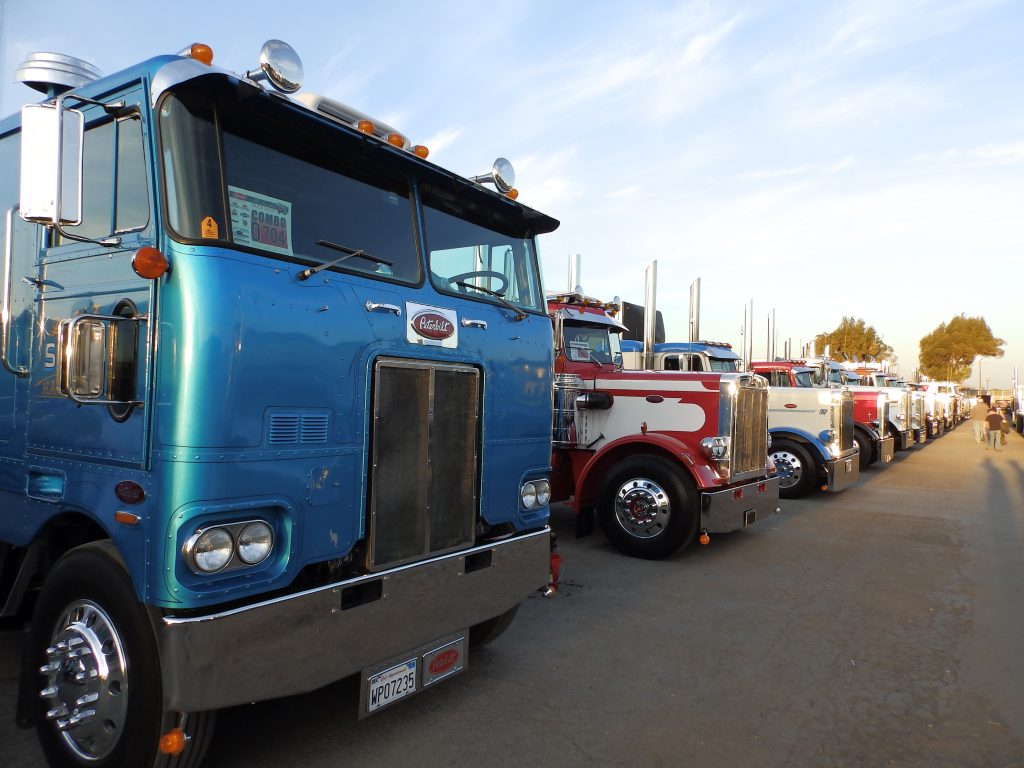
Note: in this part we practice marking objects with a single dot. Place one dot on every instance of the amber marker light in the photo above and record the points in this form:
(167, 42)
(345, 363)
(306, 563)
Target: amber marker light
(705, 539)
(420, 151)
(512, 194)
(366, 126)
(201, 52)
(149, 263)
(396, 140)
(126, 518)
(172, 742)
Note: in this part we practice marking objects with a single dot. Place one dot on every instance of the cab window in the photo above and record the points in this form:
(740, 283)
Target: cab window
(115, 190)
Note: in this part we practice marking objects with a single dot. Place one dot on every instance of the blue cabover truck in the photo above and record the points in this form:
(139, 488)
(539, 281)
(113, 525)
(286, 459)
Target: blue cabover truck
(275, 405)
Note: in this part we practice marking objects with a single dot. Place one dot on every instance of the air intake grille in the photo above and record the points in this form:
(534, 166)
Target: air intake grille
(426, 459)
(297, 428)
(750, 429)
(845, 426)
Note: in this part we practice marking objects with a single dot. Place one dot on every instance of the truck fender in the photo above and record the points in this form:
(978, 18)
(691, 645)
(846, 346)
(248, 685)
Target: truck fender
(804, 438)
(693, 462)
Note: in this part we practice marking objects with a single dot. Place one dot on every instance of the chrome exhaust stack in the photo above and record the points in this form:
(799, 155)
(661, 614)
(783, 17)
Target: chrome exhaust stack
(650, 314)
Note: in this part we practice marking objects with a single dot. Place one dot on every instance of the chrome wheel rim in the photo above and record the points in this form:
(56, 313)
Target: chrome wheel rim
(642, 508)
(86, 681)
(789, 466)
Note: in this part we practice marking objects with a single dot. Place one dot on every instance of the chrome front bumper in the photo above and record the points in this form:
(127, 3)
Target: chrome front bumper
(904, 439)
(886, 449)
(301, 642)
(841, 473)
(738, 507)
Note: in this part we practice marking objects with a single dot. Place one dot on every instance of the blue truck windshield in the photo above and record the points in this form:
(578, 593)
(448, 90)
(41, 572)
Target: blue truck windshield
(249, 171)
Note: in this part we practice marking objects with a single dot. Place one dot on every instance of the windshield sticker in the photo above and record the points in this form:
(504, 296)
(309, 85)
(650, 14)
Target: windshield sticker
(579, 350)
(260, 221)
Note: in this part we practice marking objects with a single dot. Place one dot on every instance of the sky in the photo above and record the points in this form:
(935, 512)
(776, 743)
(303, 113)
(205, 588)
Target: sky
(820, 159)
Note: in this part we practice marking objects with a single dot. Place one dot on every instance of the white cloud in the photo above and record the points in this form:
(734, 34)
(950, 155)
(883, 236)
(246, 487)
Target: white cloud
(1007, 153)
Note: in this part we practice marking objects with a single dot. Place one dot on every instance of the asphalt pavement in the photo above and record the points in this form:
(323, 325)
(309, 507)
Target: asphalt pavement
(882, 626)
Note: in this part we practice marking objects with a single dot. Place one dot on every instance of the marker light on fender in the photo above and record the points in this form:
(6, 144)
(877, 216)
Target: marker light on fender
(149, 263)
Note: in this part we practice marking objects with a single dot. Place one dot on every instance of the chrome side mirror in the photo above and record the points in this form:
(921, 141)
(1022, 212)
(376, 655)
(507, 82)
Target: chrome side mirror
(280, 66)
(52, 138)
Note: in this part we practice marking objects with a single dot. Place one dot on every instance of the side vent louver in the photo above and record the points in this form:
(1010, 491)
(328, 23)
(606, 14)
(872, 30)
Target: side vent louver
(297, 427)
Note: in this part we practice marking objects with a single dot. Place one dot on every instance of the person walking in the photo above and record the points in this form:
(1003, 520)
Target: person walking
(978, 414)
(994, 421)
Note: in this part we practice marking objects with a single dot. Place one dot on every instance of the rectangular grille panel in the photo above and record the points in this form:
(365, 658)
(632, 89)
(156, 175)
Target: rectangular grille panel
(295, 427)
(845, 427)
(424, 476)
(750, 430)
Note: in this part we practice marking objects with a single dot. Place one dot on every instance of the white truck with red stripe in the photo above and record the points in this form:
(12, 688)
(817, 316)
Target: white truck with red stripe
(662, 457)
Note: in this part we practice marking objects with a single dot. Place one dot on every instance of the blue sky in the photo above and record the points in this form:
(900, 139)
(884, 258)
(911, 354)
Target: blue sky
(819, 158)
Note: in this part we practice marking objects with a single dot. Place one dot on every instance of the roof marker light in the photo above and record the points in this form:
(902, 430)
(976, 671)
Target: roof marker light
(396, 140)
(366, 126)
(420, 151)
(512, 194)
(201, 52)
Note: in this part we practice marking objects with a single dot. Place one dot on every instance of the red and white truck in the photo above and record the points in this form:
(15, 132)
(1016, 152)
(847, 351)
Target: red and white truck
(661, 456)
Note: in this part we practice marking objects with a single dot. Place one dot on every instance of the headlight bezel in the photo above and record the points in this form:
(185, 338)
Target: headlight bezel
(232, 530)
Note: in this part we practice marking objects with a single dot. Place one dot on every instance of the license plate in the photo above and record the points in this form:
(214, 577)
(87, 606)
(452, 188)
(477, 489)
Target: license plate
(391, 685)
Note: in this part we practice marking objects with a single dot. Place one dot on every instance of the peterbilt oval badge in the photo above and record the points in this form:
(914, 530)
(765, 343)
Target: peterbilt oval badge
(444, 661)
(791, 405)
(655, 399)
(432, 325)
(130, 492)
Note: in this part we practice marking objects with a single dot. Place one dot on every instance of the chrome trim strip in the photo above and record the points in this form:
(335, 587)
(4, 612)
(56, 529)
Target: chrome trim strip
(8, 261)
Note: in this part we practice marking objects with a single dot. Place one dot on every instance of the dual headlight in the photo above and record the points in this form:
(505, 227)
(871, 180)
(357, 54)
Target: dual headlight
(226, 547)
(535, 494)
(716, 448)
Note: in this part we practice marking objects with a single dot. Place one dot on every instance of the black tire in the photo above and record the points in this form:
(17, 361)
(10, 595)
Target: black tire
(488, 631)
(797, 472)
(662, 493)
(88, 602)
(866, 448)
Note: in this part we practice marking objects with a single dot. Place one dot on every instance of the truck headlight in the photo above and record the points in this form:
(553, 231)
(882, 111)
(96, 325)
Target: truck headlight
(528, 495)
(543, 492)
(255, 542)
(716, 448)
(210, 550)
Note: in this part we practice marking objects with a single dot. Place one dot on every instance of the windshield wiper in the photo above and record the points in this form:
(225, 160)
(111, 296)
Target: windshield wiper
(520, 315)
(349, 254)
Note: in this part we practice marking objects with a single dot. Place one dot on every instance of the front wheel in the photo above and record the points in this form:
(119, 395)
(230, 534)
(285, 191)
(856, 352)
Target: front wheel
(795, 467)
(100, 696)
(648, 507)
(863, 444)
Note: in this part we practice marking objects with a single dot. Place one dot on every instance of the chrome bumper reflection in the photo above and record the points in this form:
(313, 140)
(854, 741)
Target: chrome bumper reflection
(304, 641)
(738, 507)
(841, 473)
(886, 449)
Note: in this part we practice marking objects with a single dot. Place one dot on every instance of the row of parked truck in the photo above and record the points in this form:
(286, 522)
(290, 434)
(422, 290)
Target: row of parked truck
(282, 402)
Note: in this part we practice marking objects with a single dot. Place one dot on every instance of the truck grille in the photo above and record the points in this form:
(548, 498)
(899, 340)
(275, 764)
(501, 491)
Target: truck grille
(845, 426)
(425, 459)
(749, 438)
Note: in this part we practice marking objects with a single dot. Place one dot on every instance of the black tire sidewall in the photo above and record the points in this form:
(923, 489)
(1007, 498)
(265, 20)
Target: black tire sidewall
(683, 499)
(863, 443)
(92, 573)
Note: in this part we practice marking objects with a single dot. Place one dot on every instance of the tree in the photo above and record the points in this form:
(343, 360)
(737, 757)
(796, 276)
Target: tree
(853, 339)
(949, 350)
